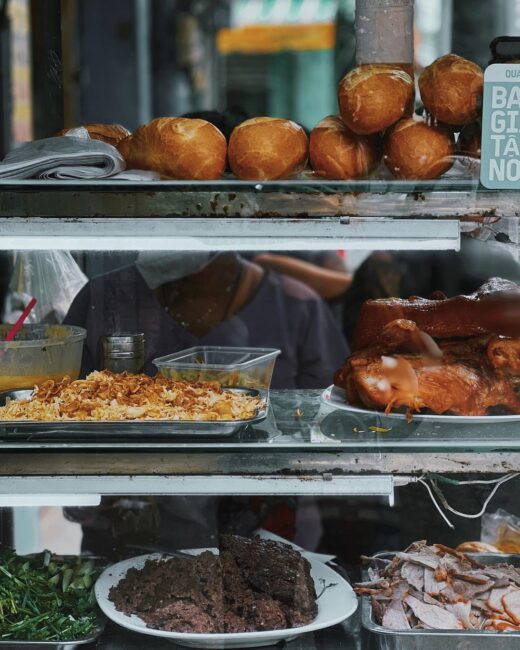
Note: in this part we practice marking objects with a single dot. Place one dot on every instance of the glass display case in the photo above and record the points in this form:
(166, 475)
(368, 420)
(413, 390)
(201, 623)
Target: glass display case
(393, 412)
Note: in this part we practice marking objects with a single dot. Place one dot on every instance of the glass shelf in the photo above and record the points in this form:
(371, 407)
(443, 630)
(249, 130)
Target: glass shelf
(302, 198)
(301, 460)
(302, 185)
(299, 420)
(244, 234)
(301, 214)
(303, 447)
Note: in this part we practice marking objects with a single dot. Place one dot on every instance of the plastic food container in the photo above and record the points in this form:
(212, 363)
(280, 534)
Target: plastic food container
(39, 353)
(231, 367)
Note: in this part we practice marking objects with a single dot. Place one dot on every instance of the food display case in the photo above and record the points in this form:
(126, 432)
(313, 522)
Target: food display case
(362, 461)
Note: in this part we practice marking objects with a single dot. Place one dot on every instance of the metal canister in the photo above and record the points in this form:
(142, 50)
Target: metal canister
(123, 352)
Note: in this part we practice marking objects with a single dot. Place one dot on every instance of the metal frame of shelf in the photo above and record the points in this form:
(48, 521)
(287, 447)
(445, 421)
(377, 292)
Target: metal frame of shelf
(46, 489)
(107, 233)
(47, 478)
(306, 214)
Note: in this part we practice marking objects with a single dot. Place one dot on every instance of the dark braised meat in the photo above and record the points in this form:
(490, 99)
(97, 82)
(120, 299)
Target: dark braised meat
(178, 594)
(252, 585)
(276, 570)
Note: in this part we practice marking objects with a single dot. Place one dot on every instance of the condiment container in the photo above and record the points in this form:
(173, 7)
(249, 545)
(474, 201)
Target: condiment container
(123, 352)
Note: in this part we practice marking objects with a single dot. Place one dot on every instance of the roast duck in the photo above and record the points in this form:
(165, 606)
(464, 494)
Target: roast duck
(440, 355)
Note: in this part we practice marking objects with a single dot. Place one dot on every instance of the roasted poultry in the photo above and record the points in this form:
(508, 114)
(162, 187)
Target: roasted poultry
(429, 355)
(436, 587)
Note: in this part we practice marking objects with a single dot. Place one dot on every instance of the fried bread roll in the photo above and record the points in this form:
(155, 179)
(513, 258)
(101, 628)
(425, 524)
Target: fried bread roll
(372, 97)
(338, 153)
(178, 147)
(451, 89)
(110, 133)
(414, 149)
(267, 148)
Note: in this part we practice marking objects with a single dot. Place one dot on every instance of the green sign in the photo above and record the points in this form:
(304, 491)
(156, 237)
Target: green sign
(500, 149)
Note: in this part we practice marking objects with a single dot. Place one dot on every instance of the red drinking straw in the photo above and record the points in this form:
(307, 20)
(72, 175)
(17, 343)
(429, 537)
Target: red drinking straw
(16, 327)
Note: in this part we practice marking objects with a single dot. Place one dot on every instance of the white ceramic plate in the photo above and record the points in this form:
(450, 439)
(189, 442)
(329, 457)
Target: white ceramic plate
(336, 603)
(335, 396)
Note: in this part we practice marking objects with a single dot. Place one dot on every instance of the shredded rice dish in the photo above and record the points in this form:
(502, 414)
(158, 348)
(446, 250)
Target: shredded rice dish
(106, 396)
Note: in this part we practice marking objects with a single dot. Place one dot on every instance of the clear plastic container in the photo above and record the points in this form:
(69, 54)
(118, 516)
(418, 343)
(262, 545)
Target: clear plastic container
(39, 353)
(384, 32)
(231, 367)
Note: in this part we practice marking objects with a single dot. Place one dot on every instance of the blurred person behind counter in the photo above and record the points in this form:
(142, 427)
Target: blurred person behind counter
(182, 299)
(401, 274)
(179, 300)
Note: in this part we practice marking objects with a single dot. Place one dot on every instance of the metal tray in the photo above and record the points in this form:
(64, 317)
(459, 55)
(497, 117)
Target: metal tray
(31, 430)
(52, 645)
(388, 639)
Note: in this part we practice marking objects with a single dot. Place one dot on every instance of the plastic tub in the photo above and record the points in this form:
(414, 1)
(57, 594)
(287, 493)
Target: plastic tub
(39, 353)
(231, 367)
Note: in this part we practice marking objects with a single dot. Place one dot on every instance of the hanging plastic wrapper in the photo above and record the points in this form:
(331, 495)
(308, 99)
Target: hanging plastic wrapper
(502, 529)
(52, 277)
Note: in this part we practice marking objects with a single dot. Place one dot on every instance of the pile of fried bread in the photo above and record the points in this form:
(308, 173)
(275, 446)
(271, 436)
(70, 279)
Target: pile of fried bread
(375, 124)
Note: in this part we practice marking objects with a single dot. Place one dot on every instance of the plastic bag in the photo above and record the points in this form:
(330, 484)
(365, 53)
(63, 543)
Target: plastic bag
(52, 277)
(502, 529)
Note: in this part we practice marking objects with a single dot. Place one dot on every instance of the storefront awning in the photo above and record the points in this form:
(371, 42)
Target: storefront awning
(265, 39)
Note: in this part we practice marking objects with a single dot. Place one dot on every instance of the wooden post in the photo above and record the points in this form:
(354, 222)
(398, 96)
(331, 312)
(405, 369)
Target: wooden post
(47, 74)
(5, 77)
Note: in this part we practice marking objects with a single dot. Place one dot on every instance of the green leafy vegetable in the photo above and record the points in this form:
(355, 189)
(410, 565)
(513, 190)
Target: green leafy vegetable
(46, 598)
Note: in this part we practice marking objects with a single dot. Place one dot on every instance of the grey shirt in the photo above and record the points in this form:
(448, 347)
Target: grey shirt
(284, 314)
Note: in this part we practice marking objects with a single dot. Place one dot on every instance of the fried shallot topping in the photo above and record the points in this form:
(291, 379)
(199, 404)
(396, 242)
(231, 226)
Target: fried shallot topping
(109, 396)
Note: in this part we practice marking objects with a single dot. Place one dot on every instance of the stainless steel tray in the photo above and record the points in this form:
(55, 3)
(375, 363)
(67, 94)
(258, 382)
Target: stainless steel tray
(52, 645)
(110, 430)
(388, 639)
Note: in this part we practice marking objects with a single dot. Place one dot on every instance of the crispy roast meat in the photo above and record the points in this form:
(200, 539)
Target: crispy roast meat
(437, 360)
(494, 308)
